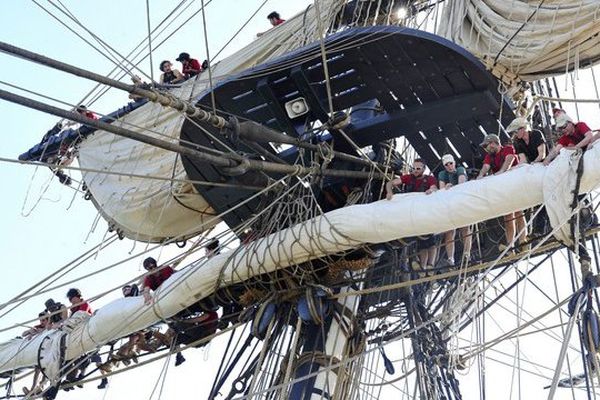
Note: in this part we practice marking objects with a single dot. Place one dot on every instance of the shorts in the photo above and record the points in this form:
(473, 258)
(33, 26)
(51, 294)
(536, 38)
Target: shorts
(425, 242)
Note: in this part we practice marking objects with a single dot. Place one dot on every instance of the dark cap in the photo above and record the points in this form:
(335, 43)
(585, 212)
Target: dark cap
(130, 290)
(73, 292)
(49, 303)
(183, 57)
(149, 261)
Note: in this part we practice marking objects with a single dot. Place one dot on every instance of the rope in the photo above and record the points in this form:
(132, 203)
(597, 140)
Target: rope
(149, 40)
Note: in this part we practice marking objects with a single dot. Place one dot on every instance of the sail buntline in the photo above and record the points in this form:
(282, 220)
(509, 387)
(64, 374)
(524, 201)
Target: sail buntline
(530, 40)
(333, 232)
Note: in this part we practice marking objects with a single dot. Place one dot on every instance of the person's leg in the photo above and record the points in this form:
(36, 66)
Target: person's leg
(432, 255)
(449, 244)
(467, 241)
(509, 228)
(521, 226)
(423, 256)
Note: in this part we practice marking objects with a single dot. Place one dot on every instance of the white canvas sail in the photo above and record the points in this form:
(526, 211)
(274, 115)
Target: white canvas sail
(529, 39)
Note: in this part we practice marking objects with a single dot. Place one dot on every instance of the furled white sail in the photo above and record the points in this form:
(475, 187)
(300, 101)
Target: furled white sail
(529, 39)
(342, 229)
(151, 209)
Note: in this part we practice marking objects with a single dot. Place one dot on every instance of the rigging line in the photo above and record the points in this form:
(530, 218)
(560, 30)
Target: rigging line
(131, 175)
(343, 362)
(324, 57)
(139, 52)
(172, 240)
(149, 40)
(474, 268)
(82, 256)
(105, 45)
(123, 122)
(21, 299)
(108, 57)
(512, 332)
(241, 28)
(550, 335)
(210, 81)
(227, 160)
(21, 88)
(169, 36)
(517, 31)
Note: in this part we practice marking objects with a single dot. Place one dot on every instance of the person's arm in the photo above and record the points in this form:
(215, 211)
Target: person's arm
(508, 162)
(193, 67)
(483, 171)
(389, 187)
(541, 153)
(64, 313)
(586, 140)
(161, 80)
(522, 158)
(553, 153)
(147, 295)
(442, 181)
(178, 76)
(432, 185)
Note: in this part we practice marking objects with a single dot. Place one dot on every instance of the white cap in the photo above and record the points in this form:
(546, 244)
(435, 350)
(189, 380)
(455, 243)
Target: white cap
(517, 124)
(562, 120)
(447, 158)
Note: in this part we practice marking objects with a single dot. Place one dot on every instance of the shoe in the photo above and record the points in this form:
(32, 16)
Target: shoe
(179, 359)
(103, 383)
(105, 367)
(502, 247)
(524, 248)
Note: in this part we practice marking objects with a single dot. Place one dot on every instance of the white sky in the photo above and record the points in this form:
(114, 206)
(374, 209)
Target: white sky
(43, 227)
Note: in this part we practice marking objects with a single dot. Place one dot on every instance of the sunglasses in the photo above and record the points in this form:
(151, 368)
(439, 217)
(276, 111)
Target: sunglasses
(449, 163)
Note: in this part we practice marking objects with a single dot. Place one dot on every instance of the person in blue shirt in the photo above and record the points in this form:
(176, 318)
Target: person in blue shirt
(452, 176)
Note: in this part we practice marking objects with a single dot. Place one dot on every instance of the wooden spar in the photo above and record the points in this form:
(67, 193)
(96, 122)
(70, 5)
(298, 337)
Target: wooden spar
(225, 160)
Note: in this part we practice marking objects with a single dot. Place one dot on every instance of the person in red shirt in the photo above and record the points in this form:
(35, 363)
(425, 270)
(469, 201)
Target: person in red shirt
(78, 304)
(574, 136)
(275, 20)
(154, 280)
(81, 109)
(190, 67)
(500, 159)
(417, 181)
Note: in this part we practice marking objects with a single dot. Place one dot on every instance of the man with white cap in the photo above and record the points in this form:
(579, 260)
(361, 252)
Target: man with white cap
(498, 160)
(574, 136)
(451, 176)
(530, 145)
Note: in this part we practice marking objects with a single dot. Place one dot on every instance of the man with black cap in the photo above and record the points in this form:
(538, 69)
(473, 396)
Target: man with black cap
(57, 313)
(500, 159)
(190, 67)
